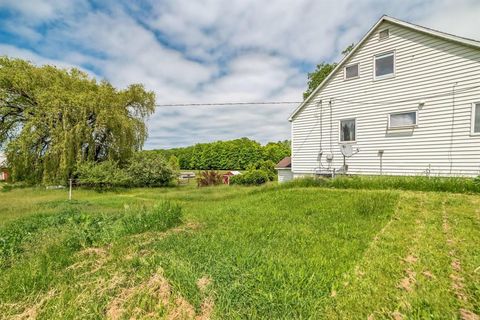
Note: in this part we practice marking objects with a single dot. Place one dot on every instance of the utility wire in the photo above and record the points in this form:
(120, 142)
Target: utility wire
(224, 103)
(367, 102)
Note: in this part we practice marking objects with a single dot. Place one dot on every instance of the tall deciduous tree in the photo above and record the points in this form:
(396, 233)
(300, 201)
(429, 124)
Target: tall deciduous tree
(322, 71)
(52, 120)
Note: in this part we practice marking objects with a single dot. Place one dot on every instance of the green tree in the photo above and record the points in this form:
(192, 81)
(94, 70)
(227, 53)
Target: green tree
(321, 72)
(174, 163)
(150, 170)
(316, 77)
(52, 120)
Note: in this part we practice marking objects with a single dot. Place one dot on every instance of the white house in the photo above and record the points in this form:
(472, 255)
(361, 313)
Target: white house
(405, 101)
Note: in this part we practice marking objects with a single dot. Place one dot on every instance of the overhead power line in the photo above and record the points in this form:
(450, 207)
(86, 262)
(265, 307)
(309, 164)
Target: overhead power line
(225, 103)
(364, 102)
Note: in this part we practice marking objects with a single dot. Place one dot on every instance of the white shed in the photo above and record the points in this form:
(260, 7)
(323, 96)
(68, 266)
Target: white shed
(284, 169)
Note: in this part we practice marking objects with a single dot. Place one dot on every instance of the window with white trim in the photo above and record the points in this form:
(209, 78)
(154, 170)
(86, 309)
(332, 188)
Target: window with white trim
(402, 119)
(348, 130)
(351, 71)
(383, 34)
(476, 118)
(384, 65)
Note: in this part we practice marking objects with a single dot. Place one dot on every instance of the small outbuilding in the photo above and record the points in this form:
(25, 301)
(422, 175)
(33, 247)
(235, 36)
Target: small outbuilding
(226, 176)
(284, 170)
(4, 174)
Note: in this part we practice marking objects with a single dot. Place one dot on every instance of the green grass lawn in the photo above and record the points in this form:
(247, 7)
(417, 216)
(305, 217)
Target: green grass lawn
(239, 252)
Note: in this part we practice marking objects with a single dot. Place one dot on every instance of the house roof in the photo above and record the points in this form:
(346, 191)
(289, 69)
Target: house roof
(284, 163)
(439, 34)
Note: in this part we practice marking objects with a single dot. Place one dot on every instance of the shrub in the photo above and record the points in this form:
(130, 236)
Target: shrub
(267, 166)
(101, 175)
(209, 178)
(143, 170)
(251, 177)
(150, 170)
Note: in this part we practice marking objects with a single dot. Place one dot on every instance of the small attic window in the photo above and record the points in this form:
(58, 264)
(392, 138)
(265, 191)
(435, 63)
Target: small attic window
(351, 72)
(383, 34)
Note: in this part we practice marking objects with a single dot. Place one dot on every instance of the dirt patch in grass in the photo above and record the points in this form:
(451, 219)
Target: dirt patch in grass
(408, 283)
(457, 281)
(468, 315)
(174, 306)
(31, 312)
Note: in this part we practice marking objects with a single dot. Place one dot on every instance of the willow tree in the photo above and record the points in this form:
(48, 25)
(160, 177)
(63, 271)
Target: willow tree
(52, 120)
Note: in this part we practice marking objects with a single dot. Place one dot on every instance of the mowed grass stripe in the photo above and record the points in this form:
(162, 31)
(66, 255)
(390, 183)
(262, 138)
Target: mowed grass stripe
(407, 274)
(277, 254)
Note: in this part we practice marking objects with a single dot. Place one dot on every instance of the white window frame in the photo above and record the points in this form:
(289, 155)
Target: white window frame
(381, 55)
(472, 125)
(351, 65)
(340, 131)
(406, 126)
(380, 31)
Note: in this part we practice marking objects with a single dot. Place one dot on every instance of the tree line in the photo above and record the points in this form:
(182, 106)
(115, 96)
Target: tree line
(238, 154)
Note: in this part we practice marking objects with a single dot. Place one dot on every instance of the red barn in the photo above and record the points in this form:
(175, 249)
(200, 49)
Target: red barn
(226, 176)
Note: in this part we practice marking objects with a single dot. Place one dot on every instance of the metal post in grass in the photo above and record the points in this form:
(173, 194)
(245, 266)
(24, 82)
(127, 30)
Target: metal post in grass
(70, 191)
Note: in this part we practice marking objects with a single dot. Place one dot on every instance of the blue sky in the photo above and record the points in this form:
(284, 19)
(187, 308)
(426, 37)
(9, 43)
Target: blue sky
(210, 51)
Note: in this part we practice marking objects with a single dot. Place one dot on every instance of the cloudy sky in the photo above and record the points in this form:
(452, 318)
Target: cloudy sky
(190, 51)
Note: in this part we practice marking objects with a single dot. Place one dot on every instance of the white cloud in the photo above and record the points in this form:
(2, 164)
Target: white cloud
(212, 51)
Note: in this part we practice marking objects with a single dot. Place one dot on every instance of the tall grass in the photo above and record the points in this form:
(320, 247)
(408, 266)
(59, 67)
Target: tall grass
(85, 229)
(417, 183)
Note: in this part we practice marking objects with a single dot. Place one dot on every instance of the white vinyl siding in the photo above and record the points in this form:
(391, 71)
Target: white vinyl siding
(402, 119)
(426, 68)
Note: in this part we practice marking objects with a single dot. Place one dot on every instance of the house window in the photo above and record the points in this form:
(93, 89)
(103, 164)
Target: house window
(384, 65)
(347, 130)
(402, 119)
(476, 118)
(351, 72)
(383, 34)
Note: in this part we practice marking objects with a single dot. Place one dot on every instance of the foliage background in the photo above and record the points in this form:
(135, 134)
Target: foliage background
(238, 154)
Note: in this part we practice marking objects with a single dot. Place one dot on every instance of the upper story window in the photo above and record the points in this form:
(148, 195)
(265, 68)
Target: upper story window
(351, 71)
(384, 65)
(383, 34)
(476, 118)
(402, 119)
(348, 130)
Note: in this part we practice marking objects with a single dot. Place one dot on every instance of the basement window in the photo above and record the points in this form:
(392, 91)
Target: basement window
(402, 120)
(383, 34)
(348, 130)
(351, 72)
(384, 65)
(476, 118)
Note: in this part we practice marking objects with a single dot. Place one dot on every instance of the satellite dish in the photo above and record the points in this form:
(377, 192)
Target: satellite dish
(346, 150)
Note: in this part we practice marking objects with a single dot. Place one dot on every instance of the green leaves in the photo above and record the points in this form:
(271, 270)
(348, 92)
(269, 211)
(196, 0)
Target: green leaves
(52, 120)
(236, 154)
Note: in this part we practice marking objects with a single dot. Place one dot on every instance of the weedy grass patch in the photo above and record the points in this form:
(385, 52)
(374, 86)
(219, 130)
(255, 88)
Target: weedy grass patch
(407, 183)
(240, 252)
